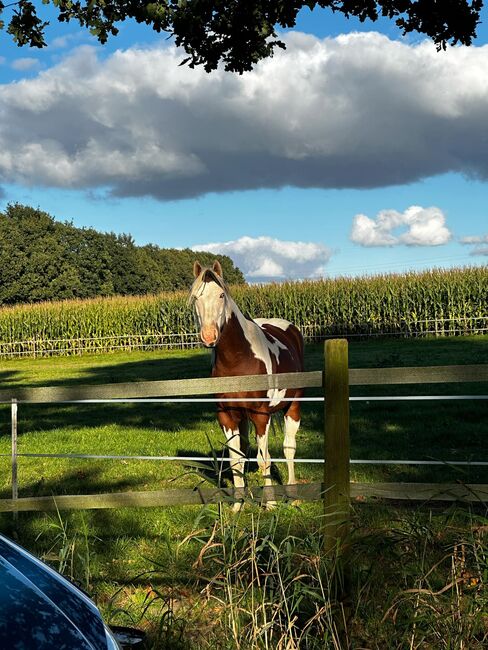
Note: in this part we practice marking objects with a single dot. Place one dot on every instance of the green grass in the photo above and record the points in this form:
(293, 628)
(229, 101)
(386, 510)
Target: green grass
(439, 430)
(107, 550)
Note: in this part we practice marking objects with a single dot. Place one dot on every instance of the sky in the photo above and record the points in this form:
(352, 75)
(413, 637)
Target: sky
(355, 151)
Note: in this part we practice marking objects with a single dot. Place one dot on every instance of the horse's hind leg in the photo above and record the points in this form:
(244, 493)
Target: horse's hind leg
(244, 434)
(262, 422)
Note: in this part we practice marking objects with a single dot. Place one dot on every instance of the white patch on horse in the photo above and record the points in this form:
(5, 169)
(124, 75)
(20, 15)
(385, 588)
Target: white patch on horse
(262, 347)
(276, 395)
(281, 323)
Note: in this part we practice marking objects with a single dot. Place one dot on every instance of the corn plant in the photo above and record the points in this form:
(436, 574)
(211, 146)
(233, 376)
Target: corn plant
(438, 302)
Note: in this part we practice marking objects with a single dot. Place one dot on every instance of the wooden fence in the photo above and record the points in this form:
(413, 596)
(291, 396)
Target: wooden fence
(336, 489)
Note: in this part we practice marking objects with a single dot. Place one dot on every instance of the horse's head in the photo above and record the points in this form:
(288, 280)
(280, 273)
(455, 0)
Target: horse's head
(209, 297)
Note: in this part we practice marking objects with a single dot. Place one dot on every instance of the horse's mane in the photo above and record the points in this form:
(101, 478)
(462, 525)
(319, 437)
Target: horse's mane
(206, 275)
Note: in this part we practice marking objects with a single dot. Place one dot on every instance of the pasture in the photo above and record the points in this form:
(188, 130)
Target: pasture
(108, 550)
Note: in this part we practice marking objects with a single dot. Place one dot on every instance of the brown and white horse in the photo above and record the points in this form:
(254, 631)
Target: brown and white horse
(243, 346)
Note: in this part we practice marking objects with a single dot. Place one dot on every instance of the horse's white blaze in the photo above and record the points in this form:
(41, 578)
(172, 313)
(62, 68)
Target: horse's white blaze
(237, 460)
(263, 459)
(211, 307)
(290, 445)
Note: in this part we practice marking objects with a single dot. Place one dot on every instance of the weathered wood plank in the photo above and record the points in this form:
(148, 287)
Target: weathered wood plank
(421, 375)
(212, 385)
(473, 493)
(169, 497)
(166, 388)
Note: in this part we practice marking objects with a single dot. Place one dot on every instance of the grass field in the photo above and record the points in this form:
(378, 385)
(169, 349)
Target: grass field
(108, 550)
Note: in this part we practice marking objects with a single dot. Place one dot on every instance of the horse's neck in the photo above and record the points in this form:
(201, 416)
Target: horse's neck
(235, 336)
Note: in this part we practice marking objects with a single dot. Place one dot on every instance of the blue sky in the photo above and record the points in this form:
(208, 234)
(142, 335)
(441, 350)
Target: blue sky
(355, 151)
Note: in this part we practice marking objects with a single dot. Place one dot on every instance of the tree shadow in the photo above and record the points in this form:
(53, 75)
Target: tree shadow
(78, 481)
(7, 375)
(154, 416)
(150, 369)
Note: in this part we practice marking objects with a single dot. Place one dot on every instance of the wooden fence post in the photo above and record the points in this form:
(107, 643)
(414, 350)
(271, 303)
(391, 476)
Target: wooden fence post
(336, 447)
(15, 488)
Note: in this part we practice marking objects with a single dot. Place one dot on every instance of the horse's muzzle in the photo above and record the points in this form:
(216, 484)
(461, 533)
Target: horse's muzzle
(209, 336)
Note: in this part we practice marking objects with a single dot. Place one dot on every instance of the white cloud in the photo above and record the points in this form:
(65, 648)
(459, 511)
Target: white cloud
(480, 243)
(419, 227)
(356, 111)
(265, 258)
(25, 63)
(67, 40)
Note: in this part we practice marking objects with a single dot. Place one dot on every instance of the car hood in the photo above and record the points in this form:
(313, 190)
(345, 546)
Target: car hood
(41, 609)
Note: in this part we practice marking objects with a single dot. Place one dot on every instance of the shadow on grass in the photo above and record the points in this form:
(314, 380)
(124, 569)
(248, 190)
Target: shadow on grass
(216, 470)
(6, 376)
(155, 417)
(150, 369)
(89, 480)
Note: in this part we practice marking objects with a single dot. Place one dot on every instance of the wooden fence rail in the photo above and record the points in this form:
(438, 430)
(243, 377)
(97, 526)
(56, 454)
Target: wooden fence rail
(336, 490)
(212, 385)
(415, 492)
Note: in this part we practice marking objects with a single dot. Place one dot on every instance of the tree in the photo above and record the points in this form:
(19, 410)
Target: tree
(44, 259)
(239, 33)
(32, 261)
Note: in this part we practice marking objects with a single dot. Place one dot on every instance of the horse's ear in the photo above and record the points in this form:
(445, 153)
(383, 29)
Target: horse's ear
(197, 269)
(217, 268)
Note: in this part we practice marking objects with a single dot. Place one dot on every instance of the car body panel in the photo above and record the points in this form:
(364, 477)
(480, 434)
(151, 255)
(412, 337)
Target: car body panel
(40, 609)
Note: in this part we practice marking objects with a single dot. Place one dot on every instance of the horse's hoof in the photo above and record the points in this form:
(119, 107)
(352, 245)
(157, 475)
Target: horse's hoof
(270, 505)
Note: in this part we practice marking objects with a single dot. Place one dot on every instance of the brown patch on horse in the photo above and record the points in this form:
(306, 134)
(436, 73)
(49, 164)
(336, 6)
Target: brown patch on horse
(293, 340)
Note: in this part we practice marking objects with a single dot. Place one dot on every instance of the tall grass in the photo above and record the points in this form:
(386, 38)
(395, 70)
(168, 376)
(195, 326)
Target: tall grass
(416, 579)
(438, 301)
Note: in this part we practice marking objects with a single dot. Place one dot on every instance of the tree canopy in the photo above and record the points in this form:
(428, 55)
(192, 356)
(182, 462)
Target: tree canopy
(44, 259)
(238, 33)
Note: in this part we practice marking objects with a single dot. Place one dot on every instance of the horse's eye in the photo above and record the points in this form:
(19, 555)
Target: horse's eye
(222, 295)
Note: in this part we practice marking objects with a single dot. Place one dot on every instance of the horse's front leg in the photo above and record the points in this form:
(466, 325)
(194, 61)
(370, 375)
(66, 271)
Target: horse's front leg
(262, 422)
(230, 421)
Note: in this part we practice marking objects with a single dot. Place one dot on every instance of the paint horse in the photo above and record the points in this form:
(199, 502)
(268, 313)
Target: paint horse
(245, 346)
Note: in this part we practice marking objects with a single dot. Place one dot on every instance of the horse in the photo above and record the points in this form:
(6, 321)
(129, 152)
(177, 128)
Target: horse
(246, 346)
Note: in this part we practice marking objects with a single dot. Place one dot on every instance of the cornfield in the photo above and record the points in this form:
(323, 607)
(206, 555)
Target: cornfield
(439, 302)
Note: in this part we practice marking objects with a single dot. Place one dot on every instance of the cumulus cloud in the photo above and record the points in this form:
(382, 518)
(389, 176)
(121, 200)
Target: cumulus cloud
(479, 243)
(25, 63)
(263, 259)
(355, 111)
(418, 227)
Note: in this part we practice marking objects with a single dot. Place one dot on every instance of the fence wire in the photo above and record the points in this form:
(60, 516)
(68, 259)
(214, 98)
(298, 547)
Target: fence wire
(206, 459)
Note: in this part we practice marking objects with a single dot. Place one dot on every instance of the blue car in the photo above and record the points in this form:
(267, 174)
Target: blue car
(39, 609)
